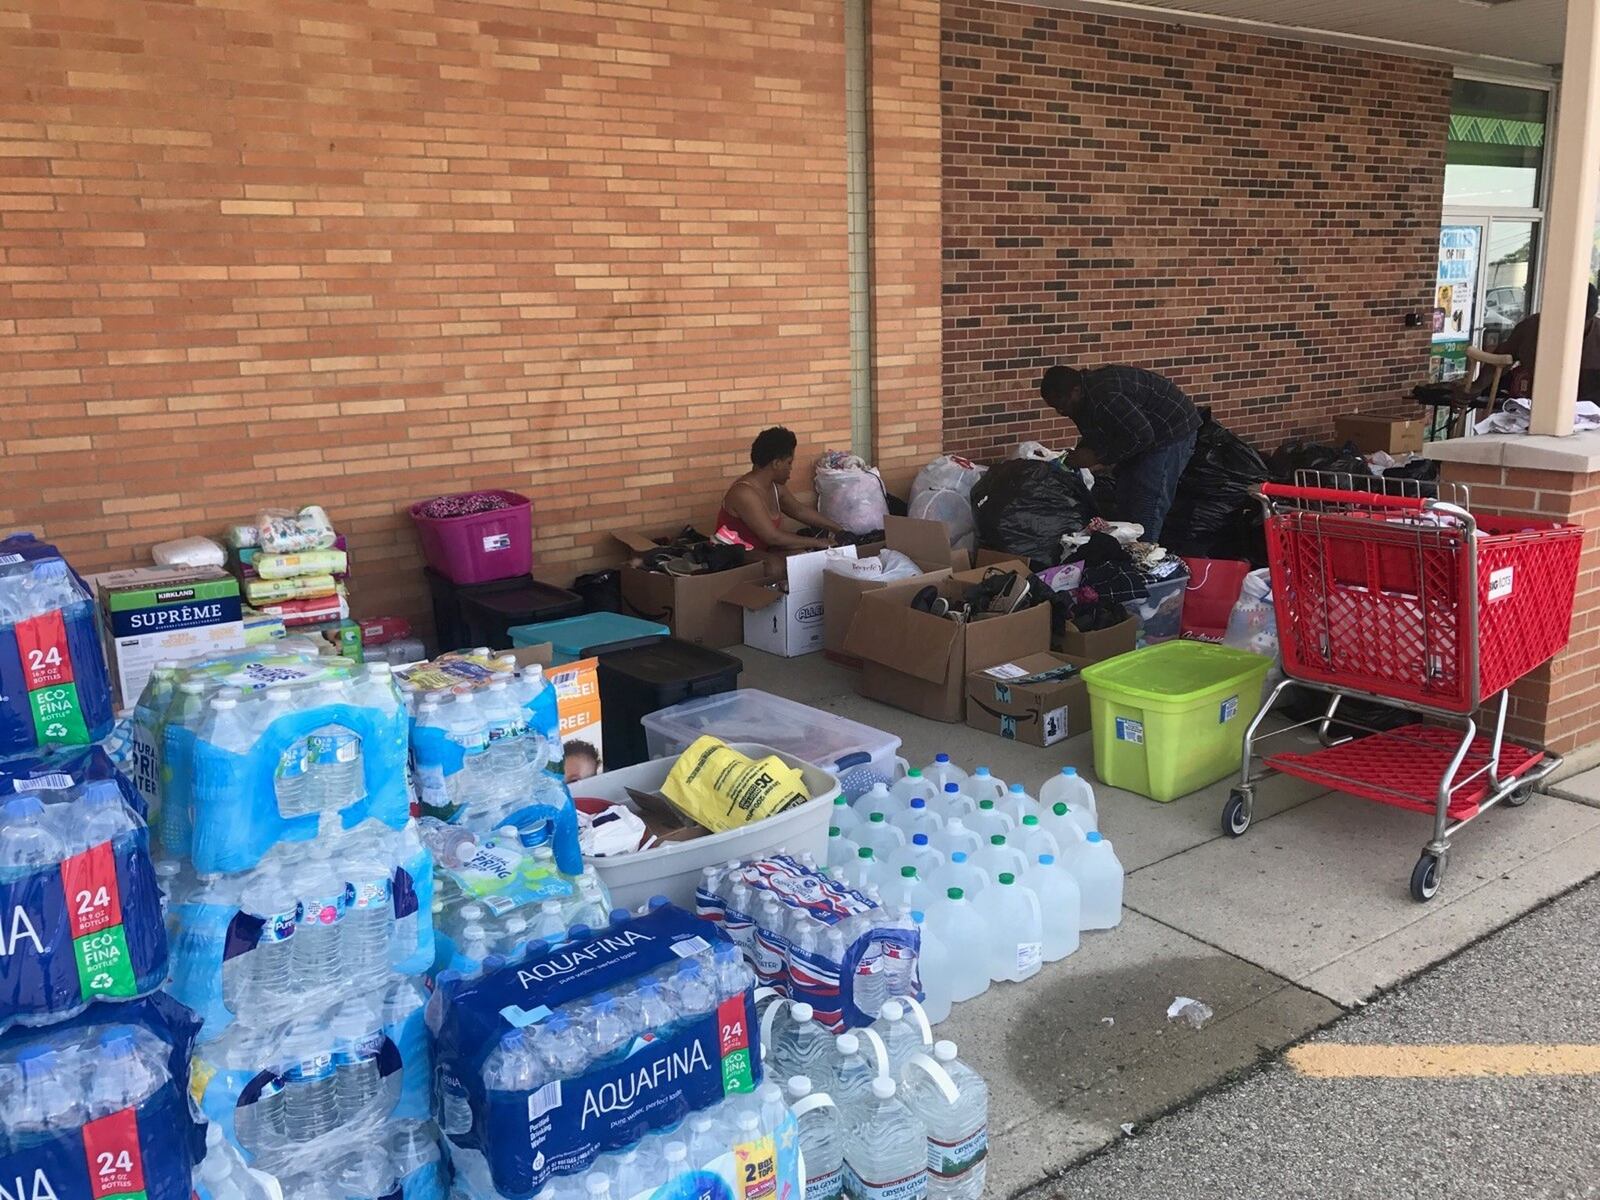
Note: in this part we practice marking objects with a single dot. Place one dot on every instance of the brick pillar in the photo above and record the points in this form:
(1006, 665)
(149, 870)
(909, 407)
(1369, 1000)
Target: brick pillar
(1557, 705)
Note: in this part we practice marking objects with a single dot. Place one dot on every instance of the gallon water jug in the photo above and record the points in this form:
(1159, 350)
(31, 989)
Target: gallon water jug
(936, 965)
(989, 820)
(917, 817)
(884, 837)
(877, 798)
(914, 783)
(957, 836)
(841, 851)
(1099, 876)
(952, 1102)
(999, 856)
(942, 771)
(1016, 803)
(953, 802)
(981, 785)
(958, 925)
(1060, 906)
(918, 853)
(845, 817)
(1035, 839)
(1067, 823)
(1071, 788)
(960, 873)
(1016, 929)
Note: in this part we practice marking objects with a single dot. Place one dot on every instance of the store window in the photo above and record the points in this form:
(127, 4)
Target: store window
(1494, 154)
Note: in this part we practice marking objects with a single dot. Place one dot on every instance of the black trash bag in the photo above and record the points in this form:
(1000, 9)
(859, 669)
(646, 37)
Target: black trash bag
(1024, 507)
(1297, 454)
(1214, 515)
(601, 591)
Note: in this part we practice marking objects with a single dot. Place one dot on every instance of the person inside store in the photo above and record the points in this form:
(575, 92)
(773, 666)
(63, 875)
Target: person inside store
(754, 507)
(1522, 343)
(1133, 421)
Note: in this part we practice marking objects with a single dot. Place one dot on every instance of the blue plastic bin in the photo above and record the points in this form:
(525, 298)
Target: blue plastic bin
(584, 637)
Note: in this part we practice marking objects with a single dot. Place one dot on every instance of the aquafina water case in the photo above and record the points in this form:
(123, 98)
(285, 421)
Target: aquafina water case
(583, 1048)
(80, 908)
(54, 688)
(96, 1107)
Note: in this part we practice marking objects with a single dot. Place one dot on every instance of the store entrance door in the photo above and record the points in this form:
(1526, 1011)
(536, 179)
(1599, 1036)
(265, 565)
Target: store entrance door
(1486, 284)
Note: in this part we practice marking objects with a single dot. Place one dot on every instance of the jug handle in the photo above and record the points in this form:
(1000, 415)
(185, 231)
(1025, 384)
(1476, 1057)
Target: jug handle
(941, 1077)
(878, 1050)
(912, 1003)
(766, 1018)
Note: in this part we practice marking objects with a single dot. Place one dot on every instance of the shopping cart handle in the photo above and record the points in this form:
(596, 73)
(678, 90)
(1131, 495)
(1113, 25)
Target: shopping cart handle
(1285, 491)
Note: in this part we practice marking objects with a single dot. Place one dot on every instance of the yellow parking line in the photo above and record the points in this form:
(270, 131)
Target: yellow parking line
(1326, 1060)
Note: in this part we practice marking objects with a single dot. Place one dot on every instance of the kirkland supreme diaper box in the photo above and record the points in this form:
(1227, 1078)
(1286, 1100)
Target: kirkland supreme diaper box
(152, 614)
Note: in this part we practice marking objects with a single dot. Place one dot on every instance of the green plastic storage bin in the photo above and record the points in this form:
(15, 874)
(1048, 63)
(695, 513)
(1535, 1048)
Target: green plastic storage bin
(1170, 718)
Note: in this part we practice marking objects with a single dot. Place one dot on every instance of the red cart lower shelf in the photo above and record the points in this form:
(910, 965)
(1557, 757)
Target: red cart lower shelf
(1403, 767)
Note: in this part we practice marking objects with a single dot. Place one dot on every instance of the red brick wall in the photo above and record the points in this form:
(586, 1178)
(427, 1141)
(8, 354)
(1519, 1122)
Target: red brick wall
(1249, 216)
(362, 251)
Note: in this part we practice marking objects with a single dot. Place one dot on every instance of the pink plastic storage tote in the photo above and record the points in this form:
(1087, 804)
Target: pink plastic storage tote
(480, 547)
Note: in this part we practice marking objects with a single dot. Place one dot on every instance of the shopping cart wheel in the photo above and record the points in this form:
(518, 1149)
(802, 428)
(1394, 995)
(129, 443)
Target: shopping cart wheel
(1426, 877)
(1519, 797)
(1235, 815)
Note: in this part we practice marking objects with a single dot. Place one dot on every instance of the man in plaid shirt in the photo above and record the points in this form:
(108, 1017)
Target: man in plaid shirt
(1135, 421)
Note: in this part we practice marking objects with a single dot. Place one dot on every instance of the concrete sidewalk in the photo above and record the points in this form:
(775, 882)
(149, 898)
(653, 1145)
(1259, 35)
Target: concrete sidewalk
(1279, 932)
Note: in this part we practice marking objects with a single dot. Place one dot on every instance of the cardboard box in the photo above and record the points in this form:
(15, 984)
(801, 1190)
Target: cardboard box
(150, 614)
(927, 543)
(919, 662)
(691, 605)
(1372, 433)
(1009, 699)
(783, 613)
(1098, 644)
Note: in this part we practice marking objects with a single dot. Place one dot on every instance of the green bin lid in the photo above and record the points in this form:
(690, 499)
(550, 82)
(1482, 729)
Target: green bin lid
(1174, 671)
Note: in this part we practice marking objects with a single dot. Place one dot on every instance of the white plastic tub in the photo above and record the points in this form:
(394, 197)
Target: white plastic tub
(858, 754)
(674, 869)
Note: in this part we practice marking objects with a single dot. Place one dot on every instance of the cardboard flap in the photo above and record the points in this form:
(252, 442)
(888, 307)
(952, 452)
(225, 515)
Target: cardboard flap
(636, 540)
(887, 632)
(753, 595)
(927, 543)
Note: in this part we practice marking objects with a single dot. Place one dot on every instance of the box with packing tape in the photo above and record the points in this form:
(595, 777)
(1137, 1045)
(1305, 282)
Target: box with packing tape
(1039, 699)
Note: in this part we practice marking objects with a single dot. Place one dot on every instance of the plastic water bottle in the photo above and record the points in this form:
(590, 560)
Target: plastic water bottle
(1016, 938)
(560, 1046)
(43, 1097)
(376, 689)
(821, 1139)
(999, 855)
(1060, 906)
(318, 942)
(913, 783)
(960, 872)
(604, 1024)
(1099, 875)
(357, 1042)
(311, 1092)
(959, 925)
(885, 1147)
(268, 973)
(957, 836)
(952, 1102)
(123, 1076)
(185, 716)
(1035, 839)
(951, 802)
(983, 786)
(336, 773)
(853, 1072)
(901, 1033)
(730, 975)
(26, 841)
(465, 726)
(917, 817)
(907, 892)
(690, 992)
(845, 816)
(1017, 804)
(989, 820)
(369, 923)
(860, 874)
(368, 1176)
(706, 1141)
(1072, 789)
(507, 723)
(799, 1046)
(942, 771)
(918, 853)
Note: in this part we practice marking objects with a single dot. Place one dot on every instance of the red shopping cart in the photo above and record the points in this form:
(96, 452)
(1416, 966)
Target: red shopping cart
(1411, 601)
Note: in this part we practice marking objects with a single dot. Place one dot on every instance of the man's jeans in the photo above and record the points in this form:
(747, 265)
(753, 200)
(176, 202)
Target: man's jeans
(1148, 482)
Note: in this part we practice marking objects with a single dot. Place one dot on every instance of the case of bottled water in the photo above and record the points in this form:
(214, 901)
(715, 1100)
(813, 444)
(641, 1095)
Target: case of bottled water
(405, 1163)
(64, 768)
(587, 1047)
(275, 764)
(483, 733)
(95, 1107)
(302, 1092)
(80, 907)
(311, 924)
(813, 939)
(54, 688)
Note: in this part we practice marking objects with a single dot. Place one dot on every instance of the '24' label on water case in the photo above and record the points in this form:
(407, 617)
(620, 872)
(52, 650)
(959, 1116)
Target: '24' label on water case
(94, 909)
(52, 690)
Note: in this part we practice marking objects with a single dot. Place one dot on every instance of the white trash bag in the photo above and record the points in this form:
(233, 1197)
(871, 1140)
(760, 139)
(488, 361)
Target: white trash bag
(1253, 624)
(942, 492)
(1037, 451)
(851, 494)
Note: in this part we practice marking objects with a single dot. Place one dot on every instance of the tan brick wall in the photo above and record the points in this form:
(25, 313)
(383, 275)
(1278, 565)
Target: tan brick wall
(362, 251)
(1252, 217)
(1557, 705)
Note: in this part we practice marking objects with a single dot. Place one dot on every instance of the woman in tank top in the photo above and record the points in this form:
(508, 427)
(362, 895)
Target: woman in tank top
(754, 507)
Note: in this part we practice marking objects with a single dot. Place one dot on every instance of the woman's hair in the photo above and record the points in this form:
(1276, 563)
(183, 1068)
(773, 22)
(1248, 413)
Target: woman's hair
(771, 445)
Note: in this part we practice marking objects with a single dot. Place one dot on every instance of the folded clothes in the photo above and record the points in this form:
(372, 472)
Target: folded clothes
(464, 504)
(261, 592)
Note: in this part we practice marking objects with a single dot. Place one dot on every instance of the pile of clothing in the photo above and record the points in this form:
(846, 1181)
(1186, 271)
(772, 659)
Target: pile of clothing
(463, 504)
(293, 568)
(1105, 580)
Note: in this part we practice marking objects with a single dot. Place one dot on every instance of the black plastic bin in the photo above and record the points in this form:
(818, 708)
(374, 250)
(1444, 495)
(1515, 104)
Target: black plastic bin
(635, 683)
(482, 614)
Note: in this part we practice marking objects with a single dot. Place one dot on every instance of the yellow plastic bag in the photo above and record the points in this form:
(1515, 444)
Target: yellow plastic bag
(722, 789)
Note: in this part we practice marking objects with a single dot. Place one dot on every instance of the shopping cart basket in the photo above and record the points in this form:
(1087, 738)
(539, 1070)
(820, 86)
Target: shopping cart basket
(1412, 601)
